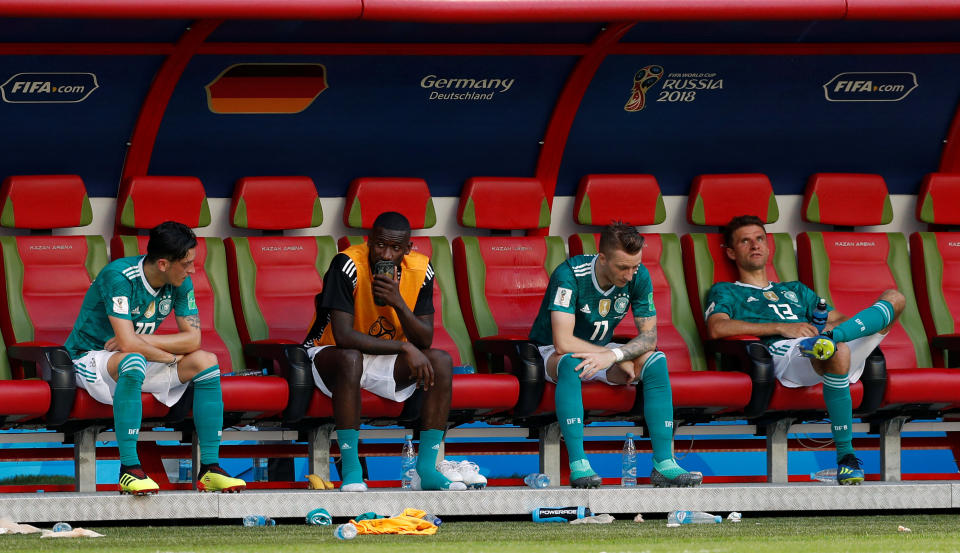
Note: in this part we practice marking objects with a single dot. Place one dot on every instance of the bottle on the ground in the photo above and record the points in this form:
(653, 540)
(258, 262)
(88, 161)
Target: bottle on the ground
(825, 475)
(183, 470)
(437, 521)
(62, 527)
(345, 531)
(258, 520)
(537, 480)
(820, 315)
(692, 517)
(628, 471)
(560, 514)
(408, 462)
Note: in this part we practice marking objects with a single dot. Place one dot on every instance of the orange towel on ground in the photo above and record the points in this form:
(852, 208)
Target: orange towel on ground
(409, 522)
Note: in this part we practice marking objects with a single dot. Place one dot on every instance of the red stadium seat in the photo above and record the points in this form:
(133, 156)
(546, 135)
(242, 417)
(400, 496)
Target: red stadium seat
(852, 269)
(45, 279)
(473, 394)
(143, 203)
(273, 281)
(602, 199)
(935, 260)
(501, 281)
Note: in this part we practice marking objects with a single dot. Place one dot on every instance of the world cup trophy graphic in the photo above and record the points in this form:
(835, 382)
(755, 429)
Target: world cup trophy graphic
(642, 81)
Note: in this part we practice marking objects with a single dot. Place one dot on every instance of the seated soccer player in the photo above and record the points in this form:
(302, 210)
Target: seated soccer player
(373, 330)
(780, 313)
(116, 354)
(586, 298)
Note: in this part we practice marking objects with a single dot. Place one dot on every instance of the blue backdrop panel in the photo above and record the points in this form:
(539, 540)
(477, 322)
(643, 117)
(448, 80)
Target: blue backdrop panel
(87, 138)
(769, 115)
(376, 119)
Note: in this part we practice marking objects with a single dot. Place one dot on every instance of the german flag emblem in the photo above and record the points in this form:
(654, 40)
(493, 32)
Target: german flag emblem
(266, 88)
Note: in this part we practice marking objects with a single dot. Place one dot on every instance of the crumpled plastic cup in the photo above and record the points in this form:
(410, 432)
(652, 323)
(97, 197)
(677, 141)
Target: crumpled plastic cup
(734, 517)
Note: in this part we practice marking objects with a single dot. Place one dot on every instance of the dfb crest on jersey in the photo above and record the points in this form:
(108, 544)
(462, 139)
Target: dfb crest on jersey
(165, 305)
(791, 296)
(771, 295)
(620, 305)
(603, 307)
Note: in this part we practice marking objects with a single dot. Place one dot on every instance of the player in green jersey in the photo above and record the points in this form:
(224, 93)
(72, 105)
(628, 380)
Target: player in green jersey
(116, 354)
(780, 314)
(586, 298)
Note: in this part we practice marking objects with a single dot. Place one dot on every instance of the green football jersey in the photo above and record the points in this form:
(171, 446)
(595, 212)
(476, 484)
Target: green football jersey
(778, 302)
(573, 289)
(121, 290)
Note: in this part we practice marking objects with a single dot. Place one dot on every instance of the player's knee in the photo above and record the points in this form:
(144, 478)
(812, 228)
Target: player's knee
(567, 365)
(350, 364)
(441, 362)
(206, 359)
(840, 362)
(133, 366)
(896, 299)
(655, 368)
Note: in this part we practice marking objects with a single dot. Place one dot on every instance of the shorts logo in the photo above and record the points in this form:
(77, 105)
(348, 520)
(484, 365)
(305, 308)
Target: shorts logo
(151, 310)
(120, 305)
(791, 296)
(563, 297)
(620, 305)
(770, 295)
(165, 305)
(642, 81)
(603, 307)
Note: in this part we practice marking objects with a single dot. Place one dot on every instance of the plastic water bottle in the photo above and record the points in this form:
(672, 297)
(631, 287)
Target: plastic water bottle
(628, 471)
(258, 520)
(62, 527)
(820, 315)
(692, 517)
(825, 475)
(537, 480)
(560, 514)
(183, 467)
(345, 531)
(433, 518)
(408, 462)
(260, 473)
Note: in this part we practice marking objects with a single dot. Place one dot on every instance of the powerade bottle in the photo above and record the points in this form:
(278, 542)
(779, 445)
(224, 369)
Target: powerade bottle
(408, 462)
(820, 315)
(677, 518)
(560, 514)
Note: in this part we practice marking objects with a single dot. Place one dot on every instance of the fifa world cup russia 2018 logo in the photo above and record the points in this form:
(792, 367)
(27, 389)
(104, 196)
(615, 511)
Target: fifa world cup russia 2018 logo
(642, 81)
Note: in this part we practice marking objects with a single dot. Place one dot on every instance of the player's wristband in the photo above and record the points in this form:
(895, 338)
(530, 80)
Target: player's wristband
(174, 362)
(618, 353)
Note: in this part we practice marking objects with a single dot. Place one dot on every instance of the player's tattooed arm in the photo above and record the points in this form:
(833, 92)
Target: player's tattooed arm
(645, 341)
(193, 321)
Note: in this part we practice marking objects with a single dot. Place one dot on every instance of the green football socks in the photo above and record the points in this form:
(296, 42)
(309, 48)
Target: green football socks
(128, 407)
(430, 477)
(569, 407)
(208, 413)
(869, 321)
(351, 471)
(836, 395)
(658, 406)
